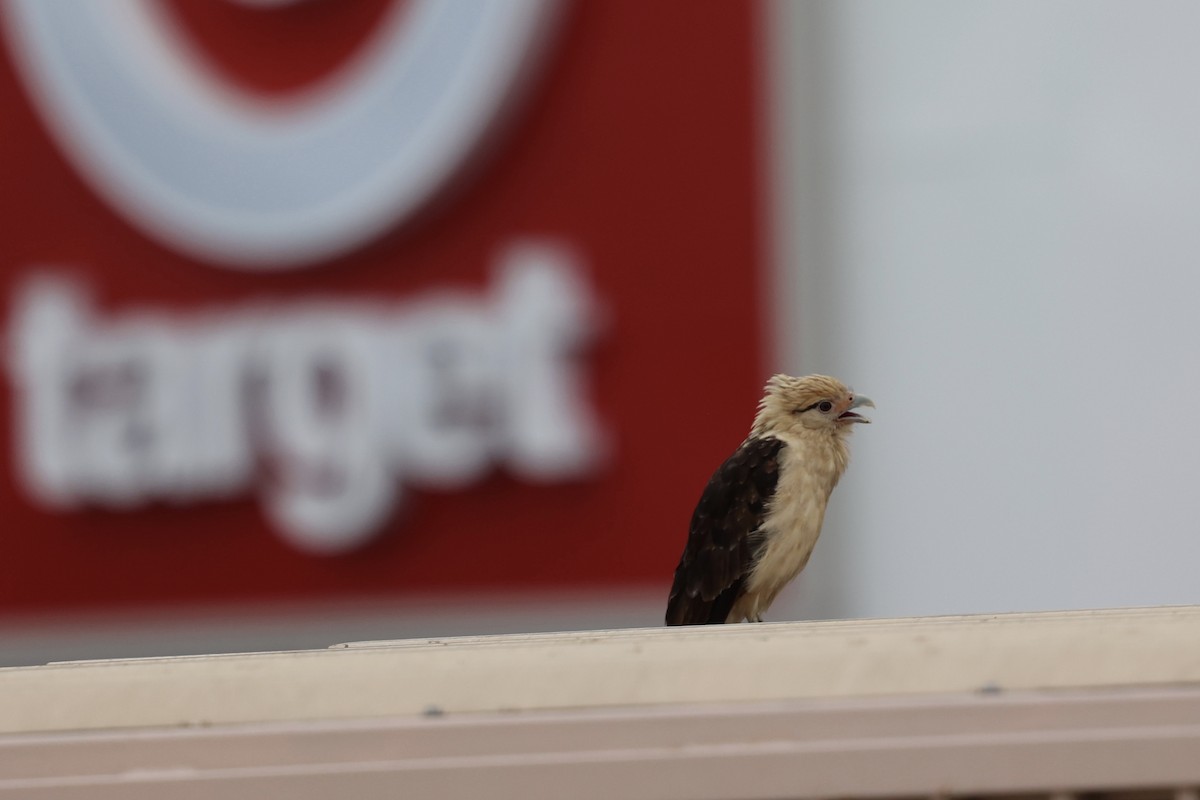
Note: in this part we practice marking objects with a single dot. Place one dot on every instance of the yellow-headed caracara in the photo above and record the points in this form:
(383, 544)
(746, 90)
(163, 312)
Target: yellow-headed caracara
(761, 513)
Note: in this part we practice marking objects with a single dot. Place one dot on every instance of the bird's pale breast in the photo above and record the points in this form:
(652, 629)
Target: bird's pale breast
(808, 472)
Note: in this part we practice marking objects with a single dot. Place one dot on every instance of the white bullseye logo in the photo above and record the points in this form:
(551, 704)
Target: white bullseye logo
(227, 178)
(331, 411)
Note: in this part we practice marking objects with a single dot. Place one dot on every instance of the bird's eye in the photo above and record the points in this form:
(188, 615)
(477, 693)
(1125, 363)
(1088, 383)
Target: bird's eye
(825, 406)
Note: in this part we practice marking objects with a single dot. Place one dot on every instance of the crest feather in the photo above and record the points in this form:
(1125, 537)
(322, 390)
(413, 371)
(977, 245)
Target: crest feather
(783, 393)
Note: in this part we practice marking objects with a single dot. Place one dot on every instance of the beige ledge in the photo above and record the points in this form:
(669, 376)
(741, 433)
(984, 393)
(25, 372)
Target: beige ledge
(1150, 647)
(1102, 703)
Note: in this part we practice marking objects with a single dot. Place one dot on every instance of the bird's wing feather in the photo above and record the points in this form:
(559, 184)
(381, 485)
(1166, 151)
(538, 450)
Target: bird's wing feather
(724, 534)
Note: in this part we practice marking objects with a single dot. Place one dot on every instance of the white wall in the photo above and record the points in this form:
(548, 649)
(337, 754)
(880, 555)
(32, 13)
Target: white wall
(991, 225)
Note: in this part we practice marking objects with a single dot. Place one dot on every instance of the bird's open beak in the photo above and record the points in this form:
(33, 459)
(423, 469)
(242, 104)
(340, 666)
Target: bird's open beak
(859, 401)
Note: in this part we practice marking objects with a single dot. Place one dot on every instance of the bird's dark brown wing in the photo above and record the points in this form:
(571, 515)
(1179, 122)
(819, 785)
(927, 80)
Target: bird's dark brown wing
(724, 535)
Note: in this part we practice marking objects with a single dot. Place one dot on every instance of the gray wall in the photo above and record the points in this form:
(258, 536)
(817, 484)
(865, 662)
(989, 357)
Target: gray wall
(988, 223)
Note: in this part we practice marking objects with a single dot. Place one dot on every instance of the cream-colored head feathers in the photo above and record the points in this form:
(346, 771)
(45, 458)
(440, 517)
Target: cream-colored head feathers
(806, 405)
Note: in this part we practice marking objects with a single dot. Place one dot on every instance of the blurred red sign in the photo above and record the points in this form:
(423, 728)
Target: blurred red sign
(315, 298)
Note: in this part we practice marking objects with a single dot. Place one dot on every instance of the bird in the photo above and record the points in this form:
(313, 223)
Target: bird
(760, 514)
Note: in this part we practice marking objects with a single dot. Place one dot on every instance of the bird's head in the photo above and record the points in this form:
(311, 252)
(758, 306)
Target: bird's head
(807, 405)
